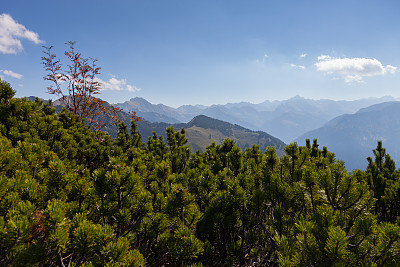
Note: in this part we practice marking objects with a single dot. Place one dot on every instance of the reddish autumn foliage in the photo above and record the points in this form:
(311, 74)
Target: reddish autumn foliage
(77, 85)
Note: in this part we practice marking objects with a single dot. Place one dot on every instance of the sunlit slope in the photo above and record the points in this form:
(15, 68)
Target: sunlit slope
(202, 131)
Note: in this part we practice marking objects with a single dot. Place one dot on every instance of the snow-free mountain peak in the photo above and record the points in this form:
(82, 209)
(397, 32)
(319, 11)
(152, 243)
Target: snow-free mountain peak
(286, 119)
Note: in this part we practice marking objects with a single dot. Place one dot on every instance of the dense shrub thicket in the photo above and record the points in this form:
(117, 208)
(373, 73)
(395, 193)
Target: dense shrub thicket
(73, 197)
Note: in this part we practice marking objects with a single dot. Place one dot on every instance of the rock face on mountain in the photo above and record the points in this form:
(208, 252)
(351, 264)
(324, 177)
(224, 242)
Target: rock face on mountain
(202, 131)
(353, 137)
(286, 119)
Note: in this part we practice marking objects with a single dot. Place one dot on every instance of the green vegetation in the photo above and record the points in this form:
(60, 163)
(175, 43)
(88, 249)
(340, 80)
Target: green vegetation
(73, 197)
(202, 131)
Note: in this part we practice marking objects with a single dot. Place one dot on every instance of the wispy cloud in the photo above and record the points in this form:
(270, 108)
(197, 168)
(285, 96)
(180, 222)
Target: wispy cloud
(12, 74)
(117, 85)
(11, 33)
(297, 66)
(323, 57)
(264, 57)
(303, 55)
(353, 69)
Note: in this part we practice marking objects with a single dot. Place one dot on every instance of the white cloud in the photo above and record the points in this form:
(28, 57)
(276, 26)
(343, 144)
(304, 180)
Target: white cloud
(323, 57)
(265, 57)
(391, 69)
(262, 60)
(353, 69)
(303, 55)
(12, 74)
(117, 85)
(132, 88)
(297, 66)
(10, 34)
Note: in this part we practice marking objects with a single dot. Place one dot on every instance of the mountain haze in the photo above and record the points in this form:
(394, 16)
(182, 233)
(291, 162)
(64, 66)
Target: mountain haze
(201, 131)
(171, 115)
(353, 136)
(285, 119)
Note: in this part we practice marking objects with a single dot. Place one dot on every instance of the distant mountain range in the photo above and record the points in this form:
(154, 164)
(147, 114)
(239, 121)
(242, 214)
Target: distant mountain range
(287, 119)
(201, 131)
(353, 137)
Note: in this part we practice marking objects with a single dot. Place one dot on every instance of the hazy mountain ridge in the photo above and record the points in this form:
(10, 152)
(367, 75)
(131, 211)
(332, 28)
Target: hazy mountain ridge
(286, 119)
(141, 106)
(202, 131)
(353, 136)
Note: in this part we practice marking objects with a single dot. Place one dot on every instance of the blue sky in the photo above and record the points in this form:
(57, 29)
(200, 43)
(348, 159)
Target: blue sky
(210, 52)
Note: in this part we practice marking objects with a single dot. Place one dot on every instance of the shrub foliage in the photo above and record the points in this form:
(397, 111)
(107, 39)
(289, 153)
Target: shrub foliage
(70, 196)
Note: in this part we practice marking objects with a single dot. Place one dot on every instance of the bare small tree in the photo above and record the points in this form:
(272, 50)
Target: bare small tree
(77, 85)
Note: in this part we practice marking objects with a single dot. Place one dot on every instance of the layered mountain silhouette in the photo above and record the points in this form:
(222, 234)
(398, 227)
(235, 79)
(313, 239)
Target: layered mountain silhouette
(201, 131)
(285, 119)
(353, 136)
